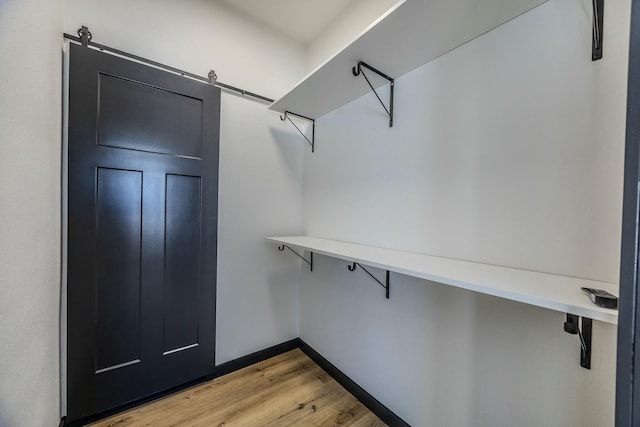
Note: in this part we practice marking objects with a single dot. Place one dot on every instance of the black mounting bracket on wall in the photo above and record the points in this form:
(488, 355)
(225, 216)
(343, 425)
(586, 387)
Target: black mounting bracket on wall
(598, 26)
(571, 326)
(311, 141)
(385, 285)
(310, 262)
(358, 70)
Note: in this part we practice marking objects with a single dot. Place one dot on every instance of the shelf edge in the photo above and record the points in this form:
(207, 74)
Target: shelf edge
(608, 316)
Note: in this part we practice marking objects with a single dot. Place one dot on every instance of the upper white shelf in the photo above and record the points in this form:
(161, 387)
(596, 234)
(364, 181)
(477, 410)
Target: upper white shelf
(559, 293)
(410, 34)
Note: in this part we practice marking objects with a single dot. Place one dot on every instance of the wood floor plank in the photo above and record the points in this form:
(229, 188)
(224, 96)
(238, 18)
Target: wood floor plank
(286, 390)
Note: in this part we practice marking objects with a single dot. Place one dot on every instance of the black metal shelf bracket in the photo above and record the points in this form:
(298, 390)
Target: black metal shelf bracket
(598, 26)
(311, 141)
(385, 285)
(571, 327)
(357, 70)
(310, 261)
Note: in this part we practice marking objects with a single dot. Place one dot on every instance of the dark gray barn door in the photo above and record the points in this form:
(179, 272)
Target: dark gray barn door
(143, 191)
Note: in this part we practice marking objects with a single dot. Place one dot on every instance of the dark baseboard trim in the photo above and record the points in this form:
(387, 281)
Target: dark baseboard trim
(374, 405)
(258, 356)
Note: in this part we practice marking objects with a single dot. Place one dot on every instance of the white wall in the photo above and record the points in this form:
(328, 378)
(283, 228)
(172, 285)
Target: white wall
(195, 35)
(30, 115)
(509, 151)
(260, 156)
(357, 16)
(469, 171)
(260, 195)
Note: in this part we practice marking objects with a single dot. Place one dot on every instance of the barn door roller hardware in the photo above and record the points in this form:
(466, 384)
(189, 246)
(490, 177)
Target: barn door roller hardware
(85, 38)
(571, 326)
(310, 262)
(85, 35)
(311, 141)
(213, 77)
(598, 25)
(357, 70)
(385, 285)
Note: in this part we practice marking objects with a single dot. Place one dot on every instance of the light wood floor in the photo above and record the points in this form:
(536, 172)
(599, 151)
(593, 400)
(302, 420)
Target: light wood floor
(286, 390)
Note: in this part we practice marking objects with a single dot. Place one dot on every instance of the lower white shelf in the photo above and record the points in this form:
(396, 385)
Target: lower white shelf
(555, 292)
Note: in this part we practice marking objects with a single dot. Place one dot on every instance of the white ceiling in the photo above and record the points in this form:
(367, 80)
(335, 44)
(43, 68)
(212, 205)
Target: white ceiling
(302, 20)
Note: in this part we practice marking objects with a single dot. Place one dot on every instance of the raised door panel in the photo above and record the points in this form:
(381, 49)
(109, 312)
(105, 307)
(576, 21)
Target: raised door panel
(182, 264)
(118, 267)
